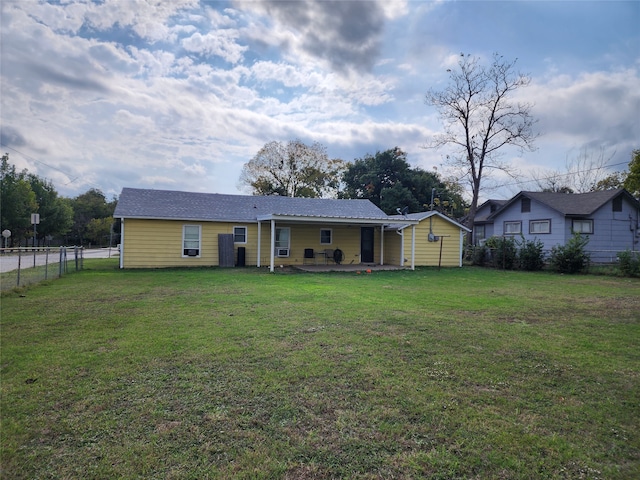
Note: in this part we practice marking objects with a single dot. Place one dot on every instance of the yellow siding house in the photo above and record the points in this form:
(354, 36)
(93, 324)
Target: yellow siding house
(436, 240)
(164, 228)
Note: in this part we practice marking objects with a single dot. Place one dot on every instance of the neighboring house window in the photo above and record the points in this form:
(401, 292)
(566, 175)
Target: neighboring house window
(525, 206)
(512, 228)
(239, 234)
(479, 232)
(325, 236)
(191, 241)
(282, 237)
(493, 208)
(540, 226)
(582, 226)
(617, 204)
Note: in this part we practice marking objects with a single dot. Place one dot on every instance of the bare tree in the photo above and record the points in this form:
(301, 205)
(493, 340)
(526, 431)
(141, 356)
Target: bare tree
(584, 172)
(480, 119)
(292, 169)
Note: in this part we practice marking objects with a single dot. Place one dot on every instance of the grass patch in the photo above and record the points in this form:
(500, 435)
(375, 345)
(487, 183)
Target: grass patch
(238, 373)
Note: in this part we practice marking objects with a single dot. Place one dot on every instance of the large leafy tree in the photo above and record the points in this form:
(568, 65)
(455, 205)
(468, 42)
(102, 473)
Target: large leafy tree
(628, 180)
(56, 215)
(480, 118)
(388, 180)
(17, 200)
(632, 182)
(292, 169)
(88, 206)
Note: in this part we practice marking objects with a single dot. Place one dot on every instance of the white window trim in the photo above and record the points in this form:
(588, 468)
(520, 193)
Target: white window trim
(515, 222)
(288, 238)
(184, 228)
(541, 221)
(246, 234)
(582, 220)
(330, 230)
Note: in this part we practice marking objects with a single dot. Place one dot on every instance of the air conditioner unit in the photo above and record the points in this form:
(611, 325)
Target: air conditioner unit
(282, 252)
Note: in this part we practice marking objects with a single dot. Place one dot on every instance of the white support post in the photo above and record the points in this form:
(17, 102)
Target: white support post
(381, 244)
(259, 242)
(413, 247)
(273, 245)
(401, 233)
(121, 252)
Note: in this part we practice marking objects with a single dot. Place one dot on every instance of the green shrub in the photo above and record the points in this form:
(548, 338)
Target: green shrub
(572, 257)
(504, 252)
(629, 263)
(479, 255)
(530, 255)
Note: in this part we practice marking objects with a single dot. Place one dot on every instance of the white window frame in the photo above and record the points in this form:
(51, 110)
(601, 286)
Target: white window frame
(278, 243)
(240, 227)
(330, 236)
(184, 241)
(512, 223)
(582, 221)
(546, 222)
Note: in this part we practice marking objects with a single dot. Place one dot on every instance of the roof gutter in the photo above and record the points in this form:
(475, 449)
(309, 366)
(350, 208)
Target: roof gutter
(311, 219)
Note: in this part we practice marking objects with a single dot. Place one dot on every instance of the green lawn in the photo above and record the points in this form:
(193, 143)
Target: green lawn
(238, 373)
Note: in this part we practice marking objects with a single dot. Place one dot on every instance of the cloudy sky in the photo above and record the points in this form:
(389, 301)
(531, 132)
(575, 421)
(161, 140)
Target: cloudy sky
(180, 94)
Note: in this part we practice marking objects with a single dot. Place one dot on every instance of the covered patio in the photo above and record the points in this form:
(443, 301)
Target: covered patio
(351, 267)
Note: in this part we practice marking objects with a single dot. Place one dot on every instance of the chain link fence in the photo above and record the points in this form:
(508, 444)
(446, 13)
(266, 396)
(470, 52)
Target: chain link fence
(24, 266)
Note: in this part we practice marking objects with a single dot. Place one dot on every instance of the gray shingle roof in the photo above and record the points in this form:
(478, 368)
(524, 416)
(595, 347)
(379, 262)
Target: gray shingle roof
(176, 205)
(574, 203)
(398, 224)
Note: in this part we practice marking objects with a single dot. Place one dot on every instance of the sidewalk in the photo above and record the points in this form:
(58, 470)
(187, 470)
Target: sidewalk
(9, 261)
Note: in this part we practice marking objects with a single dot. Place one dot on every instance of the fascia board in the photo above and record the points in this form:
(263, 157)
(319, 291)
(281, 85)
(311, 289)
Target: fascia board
(351, 220)
(188, 219)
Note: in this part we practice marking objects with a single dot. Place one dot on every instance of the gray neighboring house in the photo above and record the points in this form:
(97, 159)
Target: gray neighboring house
(610, 218)
(482, 225)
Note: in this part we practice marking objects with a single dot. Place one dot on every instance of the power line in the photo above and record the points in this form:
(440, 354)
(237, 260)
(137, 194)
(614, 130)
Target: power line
(559, 175)
(28, 157)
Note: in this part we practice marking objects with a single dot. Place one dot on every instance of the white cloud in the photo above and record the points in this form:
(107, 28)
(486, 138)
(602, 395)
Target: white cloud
(222, 43)
(180, 94)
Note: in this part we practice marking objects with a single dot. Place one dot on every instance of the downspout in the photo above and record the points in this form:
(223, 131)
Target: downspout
(273, 244)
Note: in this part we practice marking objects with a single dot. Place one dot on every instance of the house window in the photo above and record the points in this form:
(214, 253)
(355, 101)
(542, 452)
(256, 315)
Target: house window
(239, 234)
(617, 204)
(512, 228)
(493, 208)
(479, 231)
(525, 206)
(540, 226)
(325, 236)
(582, 226)
(282, 241)
(191, 240)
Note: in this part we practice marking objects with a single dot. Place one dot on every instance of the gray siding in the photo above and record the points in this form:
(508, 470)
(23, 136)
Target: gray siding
(612, 231)
(538, 211)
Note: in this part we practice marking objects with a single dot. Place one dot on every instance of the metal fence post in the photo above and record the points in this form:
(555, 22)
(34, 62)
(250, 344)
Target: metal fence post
(19, 262)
